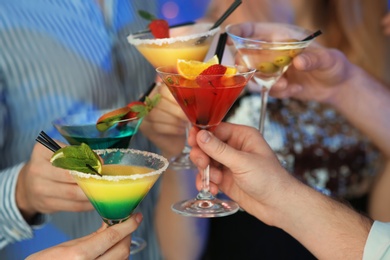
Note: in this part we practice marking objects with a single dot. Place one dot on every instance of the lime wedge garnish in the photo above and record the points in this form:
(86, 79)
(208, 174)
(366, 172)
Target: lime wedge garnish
(78, 158)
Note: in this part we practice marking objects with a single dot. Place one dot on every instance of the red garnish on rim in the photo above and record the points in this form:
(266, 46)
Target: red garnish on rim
(211, 76)
(158, 27)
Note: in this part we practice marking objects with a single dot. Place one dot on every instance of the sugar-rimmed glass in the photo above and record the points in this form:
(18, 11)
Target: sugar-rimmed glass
(205, 104)
(191, 42)
(127, 176)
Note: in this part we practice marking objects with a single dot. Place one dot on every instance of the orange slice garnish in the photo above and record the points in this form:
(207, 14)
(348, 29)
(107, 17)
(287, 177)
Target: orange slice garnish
(190, 69)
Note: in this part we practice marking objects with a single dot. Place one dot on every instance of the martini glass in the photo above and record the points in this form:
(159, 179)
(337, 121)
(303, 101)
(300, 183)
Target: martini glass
(81, 128)
(127, 176)
(191, 42)
(205, 103)
(269, 48)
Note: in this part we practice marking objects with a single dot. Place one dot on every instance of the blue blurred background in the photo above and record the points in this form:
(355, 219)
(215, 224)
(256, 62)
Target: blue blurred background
(178, 11)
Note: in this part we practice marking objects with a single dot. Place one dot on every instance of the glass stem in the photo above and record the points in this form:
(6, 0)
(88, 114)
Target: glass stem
(263, 108)
(187, 148)
(205, 191)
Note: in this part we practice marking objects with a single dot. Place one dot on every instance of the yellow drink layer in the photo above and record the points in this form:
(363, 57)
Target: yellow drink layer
(168, 54)
(186, 42)
(113, 196)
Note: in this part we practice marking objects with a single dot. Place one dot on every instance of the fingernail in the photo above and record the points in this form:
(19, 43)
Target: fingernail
(205, 136)
(139, 218)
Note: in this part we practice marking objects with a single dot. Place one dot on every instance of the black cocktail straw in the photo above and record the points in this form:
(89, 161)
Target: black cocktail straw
(144, 95)
(49, 140)
(312, 36)
(225, 15)
(45, 143)
(221, 46)
(50, 144)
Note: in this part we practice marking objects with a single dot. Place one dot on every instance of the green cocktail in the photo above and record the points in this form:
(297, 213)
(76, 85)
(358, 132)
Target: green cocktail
(81, 128)
(118, 192)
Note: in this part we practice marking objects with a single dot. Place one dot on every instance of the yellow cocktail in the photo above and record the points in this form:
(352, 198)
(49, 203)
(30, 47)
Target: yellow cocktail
(118, 192)
(127, 176)
(190, 42)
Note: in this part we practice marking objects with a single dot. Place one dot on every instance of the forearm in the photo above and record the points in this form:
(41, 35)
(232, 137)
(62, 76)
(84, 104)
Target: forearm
(330, 230)
(379, 206)
(180, 237)
(365, 103)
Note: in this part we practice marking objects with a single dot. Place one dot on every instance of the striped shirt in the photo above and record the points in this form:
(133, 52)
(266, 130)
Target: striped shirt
(58, 57)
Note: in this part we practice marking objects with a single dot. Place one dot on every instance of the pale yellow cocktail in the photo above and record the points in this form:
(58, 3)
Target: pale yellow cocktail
(190, 42)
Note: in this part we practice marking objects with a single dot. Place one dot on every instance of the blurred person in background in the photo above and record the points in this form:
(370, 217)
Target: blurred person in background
(58, 58)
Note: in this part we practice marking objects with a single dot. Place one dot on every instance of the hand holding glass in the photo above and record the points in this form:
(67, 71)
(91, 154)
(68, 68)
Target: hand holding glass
(205, 101)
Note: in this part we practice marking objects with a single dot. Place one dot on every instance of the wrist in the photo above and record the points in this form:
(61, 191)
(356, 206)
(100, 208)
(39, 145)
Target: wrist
(347, 87)
(21, 197)
(286, 209)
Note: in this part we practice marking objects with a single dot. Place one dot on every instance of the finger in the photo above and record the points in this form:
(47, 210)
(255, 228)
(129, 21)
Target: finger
(163, 117)
(281, 84)
(65, 191)
(245, 139)
(54, 205)
(103, 227)
(292, 90)
(192, 136)
(315, 59)
(212, 185)
(59, 175)
(110, 237)
(199, 157)
(65, 177)
(163, 128)
(215, 148)
(121, 250)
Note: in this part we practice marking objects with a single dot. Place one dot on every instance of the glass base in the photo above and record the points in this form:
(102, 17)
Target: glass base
(181, 162)
(205, 208)
(137, 244)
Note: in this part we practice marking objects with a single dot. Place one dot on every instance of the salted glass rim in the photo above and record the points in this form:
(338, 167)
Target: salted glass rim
(171, 70)
(304, 31)
(134, 176)
(134, 39)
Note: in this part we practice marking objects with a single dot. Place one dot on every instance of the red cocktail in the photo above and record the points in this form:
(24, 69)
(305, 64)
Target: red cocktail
(205, 99)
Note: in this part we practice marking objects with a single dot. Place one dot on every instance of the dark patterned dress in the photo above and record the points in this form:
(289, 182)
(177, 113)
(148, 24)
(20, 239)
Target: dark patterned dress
(318, 145)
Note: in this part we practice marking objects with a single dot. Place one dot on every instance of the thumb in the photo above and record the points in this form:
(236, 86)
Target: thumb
(307, 61)
(318, 59)
(216, 149)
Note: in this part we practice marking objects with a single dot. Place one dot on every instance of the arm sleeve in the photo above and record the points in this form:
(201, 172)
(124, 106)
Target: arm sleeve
(13, 227)
(378, 242)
